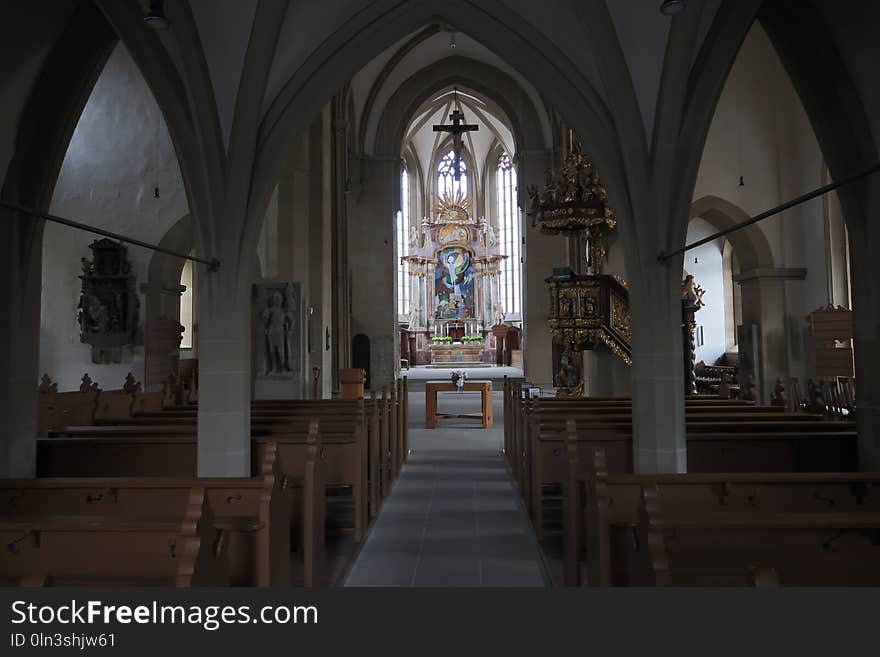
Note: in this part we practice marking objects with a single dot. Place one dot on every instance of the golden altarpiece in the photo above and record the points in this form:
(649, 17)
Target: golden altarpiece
(453, 266)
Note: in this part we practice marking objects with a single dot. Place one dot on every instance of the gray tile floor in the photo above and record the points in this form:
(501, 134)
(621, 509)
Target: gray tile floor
(454, 518)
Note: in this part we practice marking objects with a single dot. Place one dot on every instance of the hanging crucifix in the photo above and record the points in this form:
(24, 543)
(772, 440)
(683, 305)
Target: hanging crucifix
(457, 128)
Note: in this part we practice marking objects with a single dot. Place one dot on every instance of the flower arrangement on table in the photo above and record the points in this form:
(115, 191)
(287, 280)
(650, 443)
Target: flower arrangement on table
(472, 338)
(458, 378)
(441, 339)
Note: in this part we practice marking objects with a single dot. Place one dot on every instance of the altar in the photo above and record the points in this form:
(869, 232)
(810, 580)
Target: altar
(453, 274)
(433, 387)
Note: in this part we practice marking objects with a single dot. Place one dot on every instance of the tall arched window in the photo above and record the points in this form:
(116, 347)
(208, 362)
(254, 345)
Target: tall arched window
(403, 222)
(447, 185)
(509, 236)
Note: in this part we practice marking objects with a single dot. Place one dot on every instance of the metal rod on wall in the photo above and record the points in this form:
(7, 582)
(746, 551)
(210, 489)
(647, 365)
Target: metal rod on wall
(780, 208)
(213, 264)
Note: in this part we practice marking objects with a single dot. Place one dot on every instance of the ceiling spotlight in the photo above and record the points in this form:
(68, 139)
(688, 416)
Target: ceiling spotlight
(156, 18)
(673, 7)
(452, 43)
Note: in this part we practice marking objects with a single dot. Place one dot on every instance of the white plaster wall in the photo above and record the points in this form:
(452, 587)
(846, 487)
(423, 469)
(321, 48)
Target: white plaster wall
(706, 265)
(761, 132)
(120, 151)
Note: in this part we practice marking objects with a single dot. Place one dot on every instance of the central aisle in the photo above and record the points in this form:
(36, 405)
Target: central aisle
(454, 518)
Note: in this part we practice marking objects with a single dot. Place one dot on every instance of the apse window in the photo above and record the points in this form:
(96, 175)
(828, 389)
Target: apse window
(187, 305)
(447, 185)
(509, 236)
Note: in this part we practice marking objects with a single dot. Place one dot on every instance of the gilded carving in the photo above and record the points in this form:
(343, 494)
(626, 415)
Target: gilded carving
(620, 317)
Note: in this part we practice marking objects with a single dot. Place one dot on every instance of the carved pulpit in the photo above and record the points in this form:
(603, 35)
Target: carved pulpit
(586, 311)
(587, 307)
(108, 305)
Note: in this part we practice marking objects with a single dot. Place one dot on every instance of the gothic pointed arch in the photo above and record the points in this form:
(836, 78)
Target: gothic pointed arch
(750, 244)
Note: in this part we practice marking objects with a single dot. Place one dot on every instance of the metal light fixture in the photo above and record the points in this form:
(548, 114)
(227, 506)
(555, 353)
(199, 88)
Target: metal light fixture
(156, 18)
(673, 7)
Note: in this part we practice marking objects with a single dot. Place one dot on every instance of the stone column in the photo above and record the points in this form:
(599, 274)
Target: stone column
(866, 328)
(373, 271)
(293, 244)
(320, 272)
(340, 289)
(540, 255)
(657, 372)
(19, 343)
(224, 416)
(429, 292)
(763, 303)
(414, 296)
(605, 375)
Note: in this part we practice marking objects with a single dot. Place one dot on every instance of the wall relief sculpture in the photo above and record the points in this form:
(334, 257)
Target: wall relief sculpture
(277, 317)
(109, 307)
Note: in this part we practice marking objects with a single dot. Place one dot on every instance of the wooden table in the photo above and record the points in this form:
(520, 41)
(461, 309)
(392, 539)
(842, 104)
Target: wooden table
(433, 387)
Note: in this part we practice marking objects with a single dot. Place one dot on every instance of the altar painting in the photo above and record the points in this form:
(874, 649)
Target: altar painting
(454, 284)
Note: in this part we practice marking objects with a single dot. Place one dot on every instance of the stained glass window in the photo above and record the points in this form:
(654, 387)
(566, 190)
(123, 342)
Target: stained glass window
(447, 185)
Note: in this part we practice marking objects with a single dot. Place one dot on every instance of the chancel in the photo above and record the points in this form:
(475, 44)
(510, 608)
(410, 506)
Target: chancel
(440, 293)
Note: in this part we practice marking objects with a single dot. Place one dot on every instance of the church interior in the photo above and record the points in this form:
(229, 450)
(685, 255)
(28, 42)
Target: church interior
(253, 248)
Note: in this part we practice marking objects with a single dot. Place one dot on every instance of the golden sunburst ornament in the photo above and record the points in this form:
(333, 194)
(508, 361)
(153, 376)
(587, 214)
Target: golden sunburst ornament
(453, 208)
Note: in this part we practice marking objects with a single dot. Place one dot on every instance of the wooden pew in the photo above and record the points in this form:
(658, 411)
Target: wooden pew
(678, 548)
(271, 415)
(173, 550)
(131, 405)
(253, 514)
(726, 449)
(520, 409)
(346, 467)
(604, 506)
(700, 417)
(305, 455)
(91, 405)
(60, 408)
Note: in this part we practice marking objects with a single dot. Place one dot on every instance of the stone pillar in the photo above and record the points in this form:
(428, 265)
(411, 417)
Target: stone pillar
(657, 372)
(162, 336)
(19, 343)
(605, 375)
(866, 345)
(340, 289)
(320, 253)
(541, 254)
(224, 416)
(763, 303)
(429, 293)
(372, 259)
(295, 241)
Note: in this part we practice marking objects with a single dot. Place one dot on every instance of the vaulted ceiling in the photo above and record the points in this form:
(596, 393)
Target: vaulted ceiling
(640, 31)
(376, 83)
